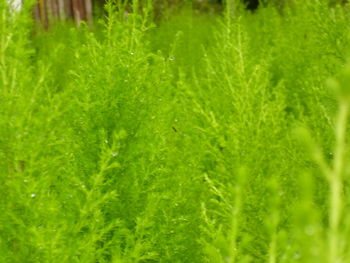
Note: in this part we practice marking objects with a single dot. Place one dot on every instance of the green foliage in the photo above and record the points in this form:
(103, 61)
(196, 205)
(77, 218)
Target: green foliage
(205, 138)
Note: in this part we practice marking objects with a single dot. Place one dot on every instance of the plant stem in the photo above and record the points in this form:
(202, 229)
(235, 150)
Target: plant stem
(336, 183)
(272, 250)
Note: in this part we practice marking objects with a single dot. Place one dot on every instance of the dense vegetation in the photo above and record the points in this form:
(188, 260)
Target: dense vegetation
(200, 138)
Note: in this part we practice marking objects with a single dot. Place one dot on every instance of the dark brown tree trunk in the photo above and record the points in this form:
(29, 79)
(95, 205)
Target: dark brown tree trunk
(47, 11)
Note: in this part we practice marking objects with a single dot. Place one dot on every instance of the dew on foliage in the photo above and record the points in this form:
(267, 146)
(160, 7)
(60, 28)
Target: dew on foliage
(172, 58)
(296, 255)
(310, 230)
(33, 195)
(183, 219)
(81, 185)
(114, 154)
(132, 53)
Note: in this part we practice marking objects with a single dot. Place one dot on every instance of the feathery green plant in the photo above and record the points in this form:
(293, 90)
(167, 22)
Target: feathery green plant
(174, 140)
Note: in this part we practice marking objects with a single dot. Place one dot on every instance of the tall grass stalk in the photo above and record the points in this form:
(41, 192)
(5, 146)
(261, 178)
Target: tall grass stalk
(336, 184)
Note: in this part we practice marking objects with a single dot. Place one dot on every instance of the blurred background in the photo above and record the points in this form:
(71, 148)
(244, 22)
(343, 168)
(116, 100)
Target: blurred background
(47, 11)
